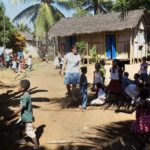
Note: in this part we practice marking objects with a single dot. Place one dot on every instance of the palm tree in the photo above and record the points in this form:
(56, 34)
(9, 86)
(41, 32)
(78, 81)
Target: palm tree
(98, 6)
(43, 15)
(23, 28)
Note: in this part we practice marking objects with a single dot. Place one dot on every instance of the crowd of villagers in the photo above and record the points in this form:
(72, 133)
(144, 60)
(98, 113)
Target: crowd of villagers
(136, 91)
(16, 61)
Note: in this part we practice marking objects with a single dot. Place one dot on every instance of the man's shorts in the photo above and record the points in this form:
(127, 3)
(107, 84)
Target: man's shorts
(72, 78)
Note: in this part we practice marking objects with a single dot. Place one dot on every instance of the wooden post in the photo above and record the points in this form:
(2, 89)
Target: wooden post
(87, 53)
(131, 46)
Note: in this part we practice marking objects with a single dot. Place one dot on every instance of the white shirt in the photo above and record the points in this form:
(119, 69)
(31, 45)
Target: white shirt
(72, 63)
(29, 61)
(97, 77)
(131, 90)
(114, 74)
(62, 61)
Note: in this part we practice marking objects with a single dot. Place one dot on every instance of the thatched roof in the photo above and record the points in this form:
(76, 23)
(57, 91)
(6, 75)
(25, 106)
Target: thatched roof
(95, 24)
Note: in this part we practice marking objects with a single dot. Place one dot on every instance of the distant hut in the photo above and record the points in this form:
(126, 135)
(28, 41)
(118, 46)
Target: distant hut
(115, 37)
(31, 44)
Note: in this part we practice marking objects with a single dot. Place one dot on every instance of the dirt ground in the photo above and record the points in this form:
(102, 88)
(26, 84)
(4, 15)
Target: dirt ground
(60, 124)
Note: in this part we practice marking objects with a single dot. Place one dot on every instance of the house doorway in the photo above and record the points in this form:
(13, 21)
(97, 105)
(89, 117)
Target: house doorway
(70, 41)
(110, 41)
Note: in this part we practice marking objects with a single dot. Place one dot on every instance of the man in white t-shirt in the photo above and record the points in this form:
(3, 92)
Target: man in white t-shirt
(72, 71)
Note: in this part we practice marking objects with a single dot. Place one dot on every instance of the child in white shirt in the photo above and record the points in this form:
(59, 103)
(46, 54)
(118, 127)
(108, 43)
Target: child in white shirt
(100, 100)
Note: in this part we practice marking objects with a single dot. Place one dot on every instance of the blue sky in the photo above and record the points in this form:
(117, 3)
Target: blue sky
(13, 10)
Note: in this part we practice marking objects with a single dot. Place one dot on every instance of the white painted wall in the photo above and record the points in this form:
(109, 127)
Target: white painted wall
(140, 41)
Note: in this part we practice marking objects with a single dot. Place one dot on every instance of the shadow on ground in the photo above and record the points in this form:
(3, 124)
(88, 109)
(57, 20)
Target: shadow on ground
(113, 102)
(115, 136)
(8, 136)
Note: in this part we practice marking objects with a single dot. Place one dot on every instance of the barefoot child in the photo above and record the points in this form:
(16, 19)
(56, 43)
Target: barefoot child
(116, 77)
(26, 112)
(141, 126)
(97, 77)
(83, 87)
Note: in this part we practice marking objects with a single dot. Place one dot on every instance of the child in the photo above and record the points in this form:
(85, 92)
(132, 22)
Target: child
(29, 63)
(141, 126)
(143, 70)
(57, 61)
(133, 91)
(61, 63)
(136, 78)
(14, 64)
(101, 95)
(116, 77)
(125, 80)
(21, 66)
(103, 70)
(26, 111)
(83, 87)
(1, 63)
(97, 76)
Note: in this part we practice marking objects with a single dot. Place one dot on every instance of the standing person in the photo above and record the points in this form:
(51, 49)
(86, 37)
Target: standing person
(56, 62)
(97, 77)
(72, 72)
(14, 64)
(1, 63)
(103, 69)
(21, 66)
(29, 62)
(7, 59)
(61, 63)
(26, 112)
(116, 77)
(83, 87)
(143, 70)
(141, 126)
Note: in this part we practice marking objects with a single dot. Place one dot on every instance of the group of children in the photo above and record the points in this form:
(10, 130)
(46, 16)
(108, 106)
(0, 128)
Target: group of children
(137, 90)
(16, 62)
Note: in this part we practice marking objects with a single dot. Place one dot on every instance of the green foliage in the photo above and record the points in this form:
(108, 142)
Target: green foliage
(99, 6)
(23, 28)
(81, 47)
(93, 53)
(125, 5)
(44, 20)
(9, 28)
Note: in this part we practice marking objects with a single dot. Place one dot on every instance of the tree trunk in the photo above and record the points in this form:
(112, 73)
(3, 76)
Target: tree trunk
(95, 3)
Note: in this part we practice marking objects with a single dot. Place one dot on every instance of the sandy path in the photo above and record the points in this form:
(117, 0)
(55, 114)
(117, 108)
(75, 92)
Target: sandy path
(69, 124)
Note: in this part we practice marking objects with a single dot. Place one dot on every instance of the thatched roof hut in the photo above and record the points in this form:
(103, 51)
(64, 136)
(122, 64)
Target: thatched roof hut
(95, 24)
(115, 36)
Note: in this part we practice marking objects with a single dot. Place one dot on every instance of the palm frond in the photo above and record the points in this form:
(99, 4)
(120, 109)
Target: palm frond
(89, 8)
(57, 13)
(33, 18)
(28, 12)
(64, 4)
(45, 20)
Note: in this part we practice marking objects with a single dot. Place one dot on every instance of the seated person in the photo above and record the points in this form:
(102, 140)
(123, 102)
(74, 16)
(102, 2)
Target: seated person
(100, 100)
(125, 80)
(133, 91)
